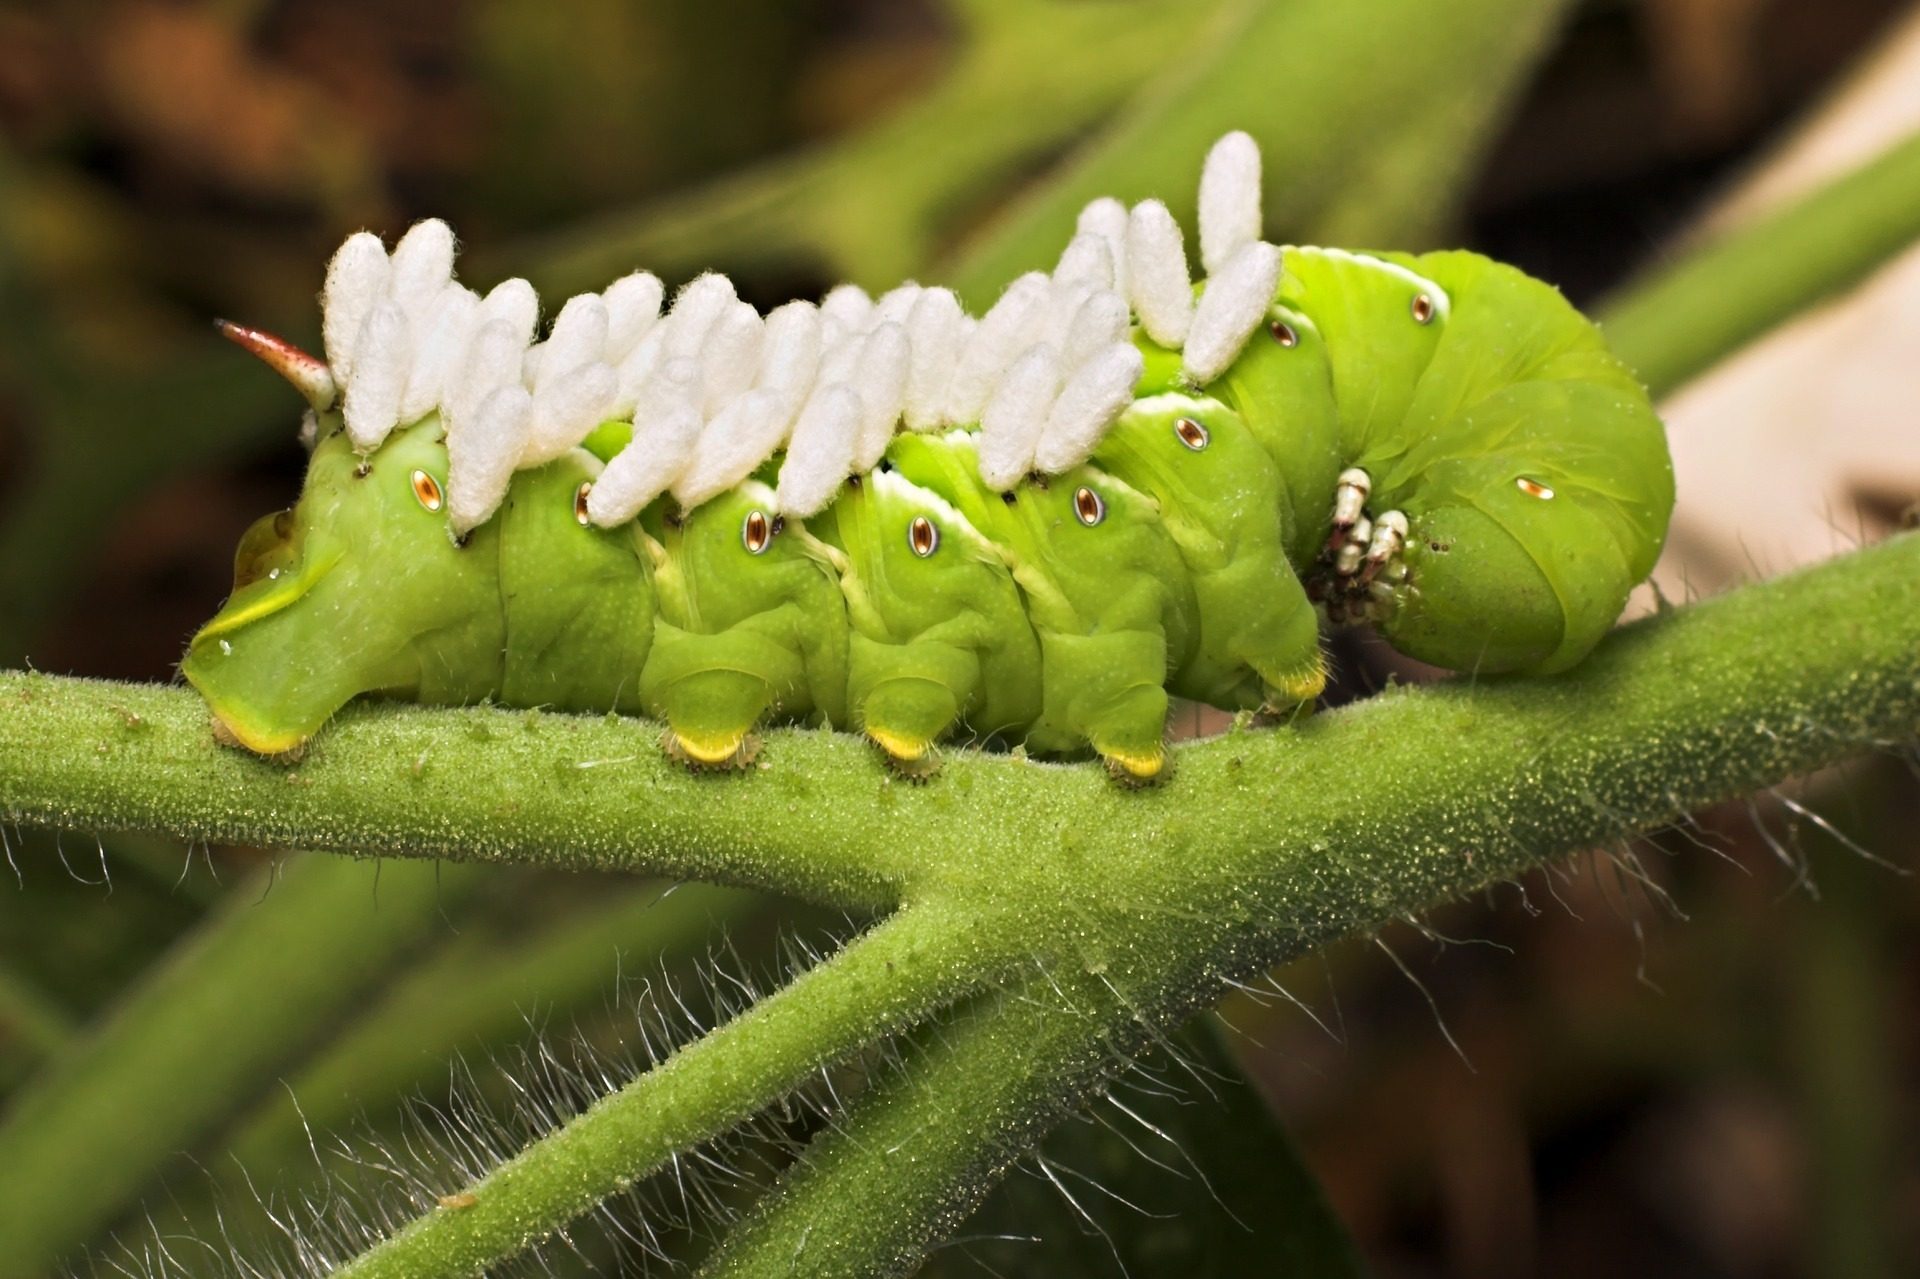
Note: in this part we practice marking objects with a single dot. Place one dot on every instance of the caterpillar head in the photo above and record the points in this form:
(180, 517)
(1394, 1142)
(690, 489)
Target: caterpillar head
(357, 589)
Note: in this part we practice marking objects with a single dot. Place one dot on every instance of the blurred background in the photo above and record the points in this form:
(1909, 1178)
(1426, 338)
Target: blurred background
(1733, 1093)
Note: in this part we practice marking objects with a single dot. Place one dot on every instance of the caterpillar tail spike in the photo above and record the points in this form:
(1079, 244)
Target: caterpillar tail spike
(309, 375)
(1032, 527)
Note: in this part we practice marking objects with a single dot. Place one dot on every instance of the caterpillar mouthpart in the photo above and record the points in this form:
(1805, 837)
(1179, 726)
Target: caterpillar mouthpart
(309, 375)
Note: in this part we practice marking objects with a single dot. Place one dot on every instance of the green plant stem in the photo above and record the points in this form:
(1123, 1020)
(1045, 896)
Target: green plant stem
(1266, 844)
(477, 991)
(822, 814)
(1715, 299)
(875, 205)
(1423, 83)
(906, 968)
(214, 1022)
(873, 1195)
(31, 1022)
(467, 785)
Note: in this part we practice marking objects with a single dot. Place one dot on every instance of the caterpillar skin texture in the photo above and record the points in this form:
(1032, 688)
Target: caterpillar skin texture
(1184, 557)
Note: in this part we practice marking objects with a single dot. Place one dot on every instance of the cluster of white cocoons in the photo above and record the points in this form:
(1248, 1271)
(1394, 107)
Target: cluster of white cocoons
(714, 389)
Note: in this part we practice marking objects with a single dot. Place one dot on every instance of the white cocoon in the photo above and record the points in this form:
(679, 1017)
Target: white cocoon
(566, 408)
(638, 367)
(730, 359)
(733, 445)
(492, 360)
(845, 309)
(881, 376)
(483, 448)
(1157, 281)
(820, 455)
(641, 471)
(515, 302)
(1107, 218)
(579, 337)
(633, 305)
(422, 265)
(1000, 335)
(893, 306)
(357, 279)
(1100, 322)
(439, 346)
(1092, 400)
(696, 308)
(790, 352)
(382, 355)
(1011, 425)
(1235, 301)
(933, 333)
(1088, 261)
(1229, 199)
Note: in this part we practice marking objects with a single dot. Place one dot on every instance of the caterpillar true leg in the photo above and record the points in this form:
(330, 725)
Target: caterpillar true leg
(1389, 538)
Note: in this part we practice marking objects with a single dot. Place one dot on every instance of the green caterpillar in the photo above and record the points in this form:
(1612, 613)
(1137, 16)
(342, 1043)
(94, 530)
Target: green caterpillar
(1113, 487)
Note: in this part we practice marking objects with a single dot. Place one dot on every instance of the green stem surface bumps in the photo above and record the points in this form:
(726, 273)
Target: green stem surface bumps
(1265, 844)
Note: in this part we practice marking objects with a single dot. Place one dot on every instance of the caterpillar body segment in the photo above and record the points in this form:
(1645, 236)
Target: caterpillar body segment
(882, 514)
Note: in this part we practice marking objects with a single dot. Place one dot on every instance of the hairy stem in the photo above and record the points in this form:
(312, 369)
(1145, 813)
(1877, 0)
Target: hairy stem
(1266, 844)
(1717, 298)
(874, 1194)
(226, 1011)
(905, 969)
(464, 785)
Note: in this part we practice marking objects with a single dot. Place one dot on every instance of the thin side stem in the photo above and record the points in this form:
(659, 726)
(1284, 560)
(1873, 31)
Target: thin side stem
(1689, 314)
(200, 1032)
(905, 969)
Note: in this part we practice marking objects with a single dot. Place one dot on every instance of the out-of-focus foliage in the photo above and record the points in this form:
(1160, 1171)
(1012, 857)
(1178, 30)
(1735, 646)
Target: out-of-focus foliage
(1645, 1096)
